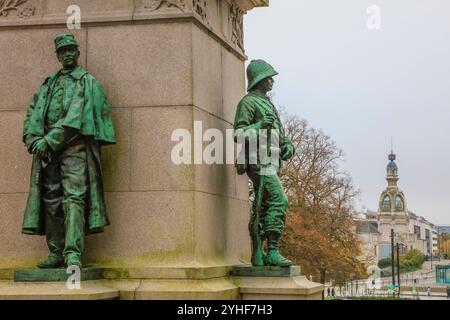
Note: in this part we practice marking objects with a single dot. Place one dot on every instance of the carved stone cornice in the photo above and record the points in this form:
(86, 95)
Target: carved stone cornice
(23, 7)
(157, 4)
(236, 20)
(223, 19)
(199, 7)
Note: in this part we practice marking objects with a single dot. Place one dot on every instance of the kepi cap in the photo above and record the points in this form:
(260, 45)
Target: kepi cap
(64, 40)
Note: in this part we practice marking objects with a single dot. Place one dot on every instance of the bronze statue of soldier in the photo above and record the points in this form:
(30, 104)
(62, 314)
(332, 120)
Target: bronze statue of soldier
(67, 122)
(254, 115)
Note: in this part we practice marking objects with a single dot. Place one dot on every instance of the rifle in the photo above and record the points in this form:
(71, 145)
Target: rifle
(255, 230)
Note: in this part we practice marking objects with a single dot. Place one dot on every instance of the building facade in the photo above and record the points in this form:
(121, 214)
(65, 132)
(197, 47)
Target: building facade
(392, 212)
(410, 230)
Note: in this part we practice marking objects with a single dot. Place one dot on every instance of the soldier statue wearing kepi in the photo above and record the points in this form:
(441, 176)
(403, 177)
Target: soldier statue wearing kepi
(67, 122)
(256, 114)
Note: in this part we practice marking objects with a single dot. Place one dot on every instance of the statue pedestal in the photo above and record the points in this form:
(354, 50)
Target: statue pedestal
(275, 283)
(50, 275)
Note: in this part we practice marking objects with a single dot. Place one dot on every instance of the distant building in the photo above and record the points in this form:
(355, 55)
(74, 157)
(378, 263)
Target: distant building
(393, 212)
(424, 235)
(443, 229)
(410, 230)
(435, 236)
(369, 236)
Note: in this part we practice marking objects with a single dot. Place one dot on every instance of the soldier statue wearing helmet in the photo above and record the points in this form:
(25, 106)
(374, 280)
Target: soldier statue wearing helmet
(256, 114)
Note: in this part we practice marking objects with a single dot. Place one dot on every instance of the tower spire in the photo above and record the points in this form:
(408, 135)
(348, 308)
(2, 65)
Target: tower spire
(392, 169)
(392, 156)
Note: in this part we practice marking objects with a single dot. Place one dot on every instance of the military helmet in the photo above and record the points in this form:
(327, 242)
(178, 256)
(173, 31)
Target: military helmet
(258, 70)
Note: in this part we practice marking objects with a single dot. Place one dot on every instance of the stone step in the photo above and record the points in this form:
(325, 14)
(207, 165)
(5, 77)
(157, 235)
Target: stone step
(266, 271)
(90, 290)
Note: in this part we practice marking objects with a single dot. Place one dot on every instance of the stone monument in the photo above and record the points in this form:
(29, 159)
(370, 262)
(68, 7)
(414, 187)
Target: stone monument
(176, 230)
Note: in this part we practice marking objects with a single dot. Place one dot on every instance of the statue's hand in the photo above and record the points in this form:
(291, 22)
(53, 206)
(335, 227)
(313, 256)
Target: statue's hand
(41, 148)
(267, 121)
(287, 151)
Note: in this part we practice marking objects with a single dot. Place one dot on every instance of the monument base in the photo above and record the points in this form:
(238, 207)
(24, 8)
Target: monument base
(275, 283)
(153, 283)
(90, 290)
(158, 283)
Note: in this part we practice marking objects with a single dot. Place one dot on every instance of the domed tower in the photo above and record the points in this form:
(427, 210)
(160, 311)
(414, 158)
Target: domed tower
(392, 210)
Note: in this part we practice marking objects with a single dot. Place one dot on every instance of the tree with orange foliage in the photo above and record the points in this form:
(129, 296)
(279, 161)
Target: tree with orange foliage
(319, 231)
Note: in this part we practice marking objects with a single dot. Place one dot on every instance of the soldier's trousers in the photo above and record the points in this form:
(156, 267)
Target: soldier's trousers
(65, 187)
(274, 202)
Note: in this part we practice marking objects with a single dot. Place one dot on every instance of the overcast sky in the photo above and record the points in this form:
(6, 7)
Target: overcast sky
(362, 87)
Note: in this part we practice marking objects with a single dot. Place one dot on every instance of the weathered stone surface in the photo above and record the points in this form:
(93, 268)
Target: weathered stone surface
(29, 12)
(212, 289)
(32, 61)
(207, 72)
(116, 159)
(90, 290)
(49, 275)
(16, 166)
(151, 163)
(238, 249)
(266, 271)
(126, 288)
(193, 273)
(17, 250)
(278, 288)
(90, 9)
(6, 274)
(210, 217)
(214, 178)
(145, 65)
(221, 234)
(242, 187)
(208, 13)
(233, 83)
(147, 228)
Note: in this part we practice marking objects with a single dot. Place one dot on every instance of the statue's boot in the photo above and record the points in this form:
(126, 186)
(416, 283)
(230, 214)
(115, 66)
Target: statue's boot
(51, 262)
(73, 260)
(274, 258)
(258, 258)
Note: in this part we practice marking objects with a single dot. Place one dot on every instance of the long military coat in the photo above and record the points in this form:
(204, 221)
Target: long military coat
(86, 110)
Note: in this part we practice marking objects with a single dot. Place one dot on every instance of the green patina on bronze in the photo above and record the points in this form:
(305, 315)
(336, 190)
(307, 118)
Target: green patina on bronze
(254, 113)
(49, 275)
(66, 124)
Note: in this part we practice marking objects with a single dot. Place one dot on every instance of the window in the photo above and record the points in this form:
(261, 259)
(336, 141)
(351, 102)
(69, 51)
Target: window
(417, 231)
(385, 250)
(399, 203)
(386, 203)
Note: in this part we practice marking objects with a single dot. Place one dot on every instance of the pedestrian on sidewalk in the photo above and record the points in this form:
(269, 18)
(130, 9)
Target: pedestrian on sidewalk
(448, 292)
(429, 291)
(414, 290)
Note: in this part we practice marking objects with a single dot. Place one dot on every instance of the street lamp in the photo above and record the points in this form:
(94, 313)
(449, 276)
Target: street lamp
(398, 266)
(392, 257)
